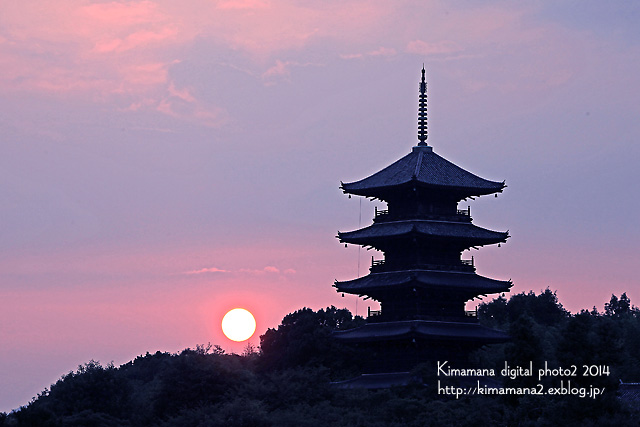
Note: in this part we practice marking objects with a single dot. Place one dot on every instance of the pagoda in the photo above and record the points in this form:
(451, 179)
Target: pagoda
(422, 284)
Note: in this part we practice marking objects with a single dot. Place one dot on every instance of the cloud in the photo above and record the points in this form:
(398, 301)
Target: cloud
(269, 269)
(352, 55)
(242, 4)
(182, 104)
(122, 54)
(381, 51)
(121, 14)
(134, 40)
(86, 50)
(420, 47)
(184, 94)
(207, 270)
(281, 70)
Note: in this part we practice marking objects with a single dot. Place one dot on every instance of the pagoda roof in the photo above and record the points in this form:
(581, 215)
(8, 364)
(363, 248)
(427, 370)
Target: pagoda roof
(438, 279)
(425, 329)
(440, 229)
(425, 168)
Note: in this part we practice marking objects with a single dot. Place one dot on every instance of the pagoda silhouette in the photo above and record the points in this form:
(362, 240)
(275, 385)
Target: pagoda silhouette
(422, 284)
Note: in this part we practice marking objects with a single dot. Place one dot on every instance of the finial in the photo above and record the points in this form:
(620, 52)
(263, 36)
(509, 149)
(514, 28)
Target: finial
(422, 111)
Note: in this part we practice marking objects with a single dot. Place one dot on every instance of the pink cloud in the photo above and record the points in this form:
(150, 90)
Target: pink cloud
(122, 52)
(135, 40)
(183, 94)
(140, 105)
(423, 48)
(242, 4)
(80, 35)
(352, 55)
(153, 73)
(264, 28)
(207, 270)
(381, 51)
(270, 270)
(280, 69)
(180, 104)
(121, 14)
(93, 41)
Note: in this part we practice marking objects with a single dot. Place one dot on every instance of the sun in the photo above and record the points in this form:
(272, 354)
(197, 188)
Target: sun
(238, 324)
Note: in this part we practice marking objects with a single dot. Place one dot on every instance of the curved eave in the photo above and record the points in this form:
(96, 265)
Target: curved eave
(423, 329)
(422, 167)
(385, 281)
(465, 233)
(383, 192)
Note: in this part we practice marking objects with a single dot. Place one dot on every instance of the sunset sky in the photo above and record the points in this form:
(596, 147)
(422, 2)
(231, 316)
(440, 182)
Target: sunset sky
(162, 162)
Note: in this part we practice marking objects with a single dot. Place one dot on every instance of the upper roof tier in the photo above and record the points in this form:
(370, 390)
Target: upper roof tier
(424, 168)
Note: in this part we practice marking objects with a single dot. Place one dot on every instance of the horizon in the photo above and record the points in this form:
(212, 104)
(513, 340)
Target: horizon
(163, 164)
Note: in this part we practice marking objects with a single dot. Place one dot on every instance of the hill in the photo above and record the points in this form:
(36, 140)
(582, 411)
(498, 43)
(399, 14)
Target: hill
(287, 381)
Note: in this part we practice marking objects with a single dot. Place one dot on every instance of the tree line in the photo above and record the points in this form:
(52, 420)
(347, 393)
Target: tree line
(287, 380)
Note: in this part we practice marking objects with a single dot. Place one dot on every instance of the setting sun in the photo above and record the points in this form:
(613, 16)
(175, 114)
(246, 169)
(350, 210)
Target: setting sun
(238, 324)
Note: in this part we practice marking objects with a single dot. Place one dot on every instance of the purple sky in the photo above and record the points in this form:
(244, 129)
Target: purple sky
(161, 164)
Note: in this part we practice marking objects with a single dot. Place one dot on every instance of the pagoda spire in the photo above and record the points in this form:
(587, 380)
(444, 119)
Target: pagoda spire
(423, 133)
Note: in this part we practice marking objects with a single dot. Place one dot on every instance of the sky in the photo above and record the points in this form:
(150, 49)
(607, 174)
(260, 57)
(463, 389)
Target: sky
(164, 162)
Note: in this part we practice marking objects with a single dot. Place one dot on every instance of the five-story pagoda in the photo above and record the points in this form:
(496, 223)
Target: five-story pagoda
(422, 283)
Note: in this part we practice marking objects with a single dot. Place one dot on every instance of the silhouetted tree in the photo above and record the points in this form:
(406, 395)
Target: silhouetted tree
(304, 339)
(494, 313)
(525, 347)
(619, 307)
(288, 381)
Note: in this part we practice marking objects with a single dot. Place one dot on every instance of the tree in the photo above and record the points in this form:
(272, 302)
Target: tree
(543, 309)
(619, 307)
(304, 338)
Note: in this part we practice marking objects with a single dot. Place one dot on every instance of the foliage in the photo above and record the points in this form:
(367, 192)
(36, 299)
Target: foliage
(304, 339)
(286, 382)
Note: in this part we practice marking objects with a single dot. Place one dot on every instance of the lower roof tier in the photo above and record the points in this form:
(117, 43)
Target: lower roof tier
(464, 233)
(426, 278)
(423, 329)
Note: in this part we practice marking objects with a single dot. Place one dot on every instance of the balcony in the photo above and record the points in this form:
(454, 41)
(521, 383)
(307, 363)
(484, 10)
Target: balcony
(380, 265)
(380, 214)
(468, 262)
(465, 212)
(471, 313)
(373, 313)
(377, 265)
(461, 215)
(470, 316)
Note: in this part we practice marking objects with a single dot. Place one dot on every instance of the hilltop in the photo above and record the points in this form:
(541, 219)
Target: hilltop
(287, 381)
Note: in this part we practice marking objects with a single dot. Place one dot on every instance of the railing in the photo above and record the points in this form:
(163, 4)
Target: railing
(468, 262)
(380, 213)
(463, 215)
(376, 264)
(465, 212)
(373, 313)
(471, 313)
